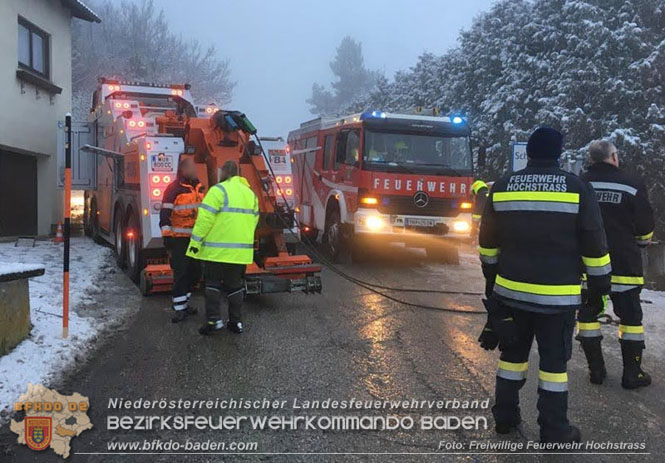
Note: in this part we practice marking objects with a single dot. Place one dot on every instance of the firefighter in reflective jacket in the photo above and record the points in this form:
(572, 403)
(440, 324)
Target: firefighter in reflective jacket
(538, 228)
(629, 225)
(480, 192)
(176, 219)
(223, 238)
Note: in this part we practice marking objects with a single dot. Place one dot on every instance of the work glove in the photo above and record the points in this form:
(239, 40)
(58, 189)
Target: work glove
(487, 338)
(500, 320)
(193, 248)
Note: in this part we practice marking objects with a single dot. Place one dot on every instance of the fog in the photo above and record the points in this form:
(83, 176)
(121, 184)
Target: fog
(277, 49)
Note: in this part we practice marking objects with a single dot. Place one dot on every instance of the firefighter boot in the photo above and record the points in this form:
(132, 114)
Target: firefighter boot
(594, 356)
(572, 434)
(506, 410)
(633, 375)
(191, 310)
(553, 413)
(235, 311)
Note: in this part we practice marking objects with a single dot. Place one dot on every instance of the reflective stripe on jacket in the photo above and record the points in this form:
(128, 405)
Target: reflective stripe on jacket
(180, 204)
(224, 229)
(541, 228)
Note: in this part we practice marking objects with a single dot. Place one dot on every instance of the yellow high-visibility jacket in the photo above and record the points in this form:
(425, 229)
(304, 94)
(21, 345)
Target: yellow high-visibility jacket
(224, 229)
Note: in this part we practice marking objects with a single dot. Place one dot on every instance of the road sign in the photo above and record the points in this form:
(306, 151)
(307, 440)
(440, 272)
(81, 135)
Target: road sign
(518, 156)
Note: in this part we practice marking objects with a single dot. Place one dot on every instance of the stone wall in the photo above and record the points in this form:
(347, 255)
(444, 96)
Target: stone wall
(14, 313)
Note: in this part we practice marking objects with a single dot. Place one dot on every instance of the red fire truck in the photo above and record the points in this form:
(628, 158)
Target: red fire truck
(378, 177)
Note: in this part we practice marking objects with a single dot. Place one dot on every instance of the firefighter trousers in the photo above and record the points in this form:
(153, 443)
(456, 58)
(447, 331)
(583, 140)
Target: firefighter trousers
(186, 272)
(629, 310)
(224, 279)
(554, 335)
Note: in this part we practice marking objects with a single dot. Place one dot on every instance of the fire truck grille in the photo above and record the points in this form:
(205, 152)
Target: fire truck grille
(404, 205)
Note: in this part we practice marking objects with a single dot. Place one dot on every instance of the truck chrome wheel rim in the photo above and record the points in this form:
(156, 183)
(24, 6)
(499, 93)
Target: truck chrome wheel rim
(118, 238)
(131, 248)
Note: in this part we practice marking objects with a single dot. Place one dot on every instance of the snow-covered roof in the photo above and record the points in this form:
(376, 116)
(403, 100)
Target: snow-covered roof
(81, 10)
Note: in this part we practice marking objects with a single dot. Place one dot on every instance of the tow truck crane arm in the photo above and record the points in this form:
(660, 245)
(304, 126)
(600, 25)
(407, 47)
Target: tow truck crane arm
(226, 136)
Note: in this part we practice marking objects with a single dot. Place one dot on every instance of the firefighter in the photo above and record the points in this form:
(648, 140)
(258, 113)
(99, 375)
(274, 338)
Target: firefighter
(176, 220)
(537, 228)
(480, 192)
(223, 238)
(629, 225)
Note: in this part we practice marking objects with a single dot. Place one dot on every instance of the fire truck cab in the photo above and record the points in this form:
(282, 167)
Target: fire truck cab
(378, 177)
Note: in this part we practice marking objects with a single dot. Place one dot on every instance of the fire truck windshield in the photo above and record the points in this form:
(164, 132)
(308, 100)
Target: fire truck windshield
(431, 153)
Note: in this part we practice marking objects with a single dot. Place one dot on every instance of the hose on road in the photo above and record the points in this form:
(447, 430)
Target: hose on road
(372, 287)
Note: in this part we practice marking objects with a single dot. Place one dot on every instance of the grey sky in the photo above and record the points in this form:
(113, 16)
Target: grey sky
(278, 49)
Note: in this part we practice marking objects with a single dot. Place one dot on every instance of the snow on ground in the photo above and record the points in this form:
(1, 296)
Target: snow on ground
(44, 354)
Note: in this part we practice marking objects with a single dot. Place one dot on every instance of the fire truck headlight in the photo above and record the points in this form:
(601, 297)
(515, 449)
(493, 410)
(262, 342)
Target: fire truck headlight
(374, 223)
(466, 205)
(461, 226)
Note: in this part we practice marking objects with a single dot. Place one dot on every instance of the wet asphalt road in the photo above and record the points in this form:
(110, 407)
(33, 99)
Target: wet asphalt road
(343, 344)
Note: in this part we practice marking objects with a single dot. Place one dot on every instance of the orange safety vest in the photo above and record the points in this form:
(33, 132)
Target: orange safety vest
(184, 209)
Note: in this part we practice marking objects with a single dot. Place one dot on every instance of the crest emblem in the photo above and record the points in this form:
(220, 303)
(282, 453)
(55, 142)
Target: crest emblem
(38, 432)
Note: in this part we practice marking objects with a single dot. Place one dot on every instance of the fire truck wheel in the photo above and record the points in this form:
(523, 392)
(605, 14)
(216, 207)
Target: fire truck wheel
(133, 246)
(120, 248)
(445, 253)
(332, 237)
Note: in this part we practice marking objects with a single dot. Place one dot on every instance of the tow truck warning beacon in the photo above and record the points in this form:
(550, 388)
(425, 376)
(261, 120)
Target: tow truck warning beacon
(378, 176)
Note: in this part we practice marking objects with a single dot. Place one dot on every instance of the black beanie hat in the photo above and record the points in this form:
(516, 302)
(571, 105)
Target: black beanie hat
(545, 143)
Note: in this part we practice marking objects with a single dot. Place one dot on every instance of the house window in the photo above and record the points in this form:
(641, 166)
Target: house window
(33, 48)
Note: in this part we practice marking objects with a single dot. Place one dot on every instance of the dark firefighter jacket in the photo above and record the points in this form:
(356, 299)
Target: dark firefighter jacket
(628, 220)
(180, 203)
(540, 229)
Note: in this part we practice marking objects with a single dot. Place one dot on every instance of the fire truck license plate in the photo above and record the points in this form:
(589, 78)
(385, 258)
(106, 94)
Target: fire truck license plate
(418, 222)
(162, 163)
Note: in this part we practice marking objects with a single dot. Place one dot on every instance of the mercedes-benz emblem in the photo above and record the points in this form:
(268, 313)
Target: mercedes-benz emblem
(421, 199)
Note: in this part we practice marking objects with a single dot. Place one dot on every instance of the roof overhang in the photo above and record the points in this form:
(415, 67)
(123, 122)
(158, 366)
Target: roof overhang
(80, 10)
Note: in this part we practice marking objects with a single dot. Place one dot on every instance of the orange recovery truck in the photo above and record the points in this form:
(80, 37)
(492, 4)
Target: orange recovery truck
(136, 134)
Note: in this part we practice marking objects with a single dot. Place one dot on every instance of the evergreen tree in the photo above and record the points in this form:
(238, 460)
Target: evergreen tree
(591, 68)
(353, 80)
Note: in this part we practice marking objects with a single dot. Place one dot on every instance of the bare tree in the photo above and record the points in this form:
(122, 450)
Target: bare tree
(134, 42)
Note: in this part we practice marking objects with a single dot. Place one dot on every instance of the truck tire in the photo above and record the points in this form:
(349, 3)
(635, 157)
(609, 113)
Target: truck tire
(120, 247)
(133, 245)
(445, 253)
(332, 236)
